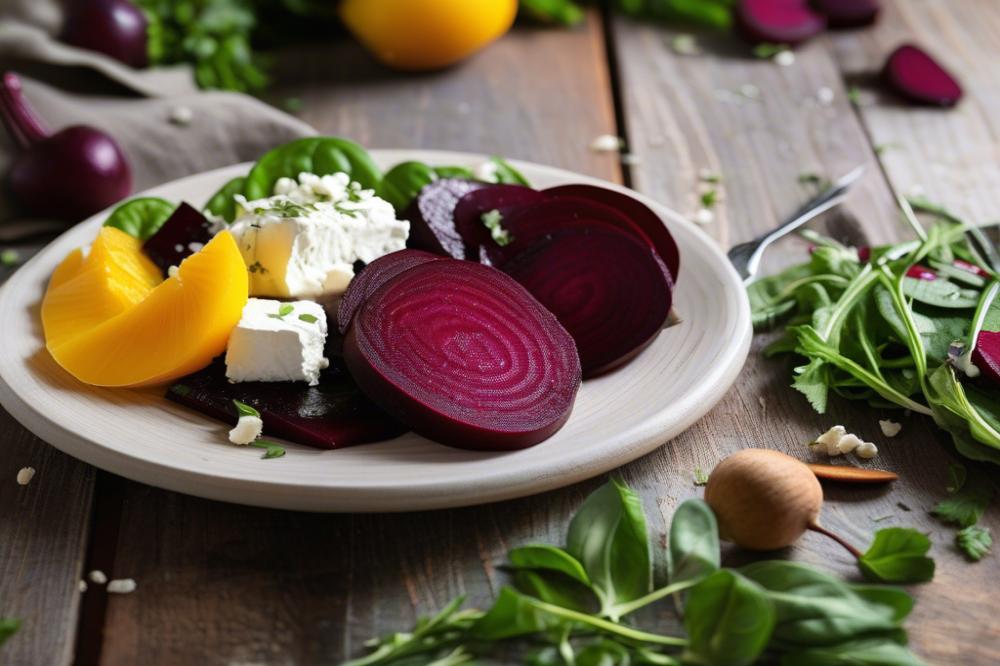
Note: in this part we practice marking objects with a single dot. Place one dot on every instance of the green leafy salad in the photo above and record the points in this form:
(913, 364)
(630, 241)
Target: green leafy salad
(912, 326)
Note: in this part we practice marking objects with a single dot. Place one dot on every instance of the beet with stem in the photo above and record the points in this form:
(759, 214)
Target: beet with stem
(185, 232)
(116, 28)
(788, 22)
(609, 290)
(330, 415)
(848, 13)
(465, 356)
(431, 216)
(915, 75)
(373, 276)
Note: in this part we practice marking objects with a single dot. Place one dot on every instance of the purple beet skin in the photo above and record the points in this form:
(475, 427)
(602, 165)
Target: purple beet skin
(373, 276)
(609, 290)
(848, 13)
(465, 356)
(331, 415)
(468, 215)
(778, 21)
(431, 216)
(915, 75)
(185, 232)
(986, 355)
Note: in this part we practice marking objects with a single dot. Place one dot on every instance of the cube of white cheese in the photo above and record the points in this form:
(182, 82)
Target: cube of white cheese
(277, 342)
(304, 240)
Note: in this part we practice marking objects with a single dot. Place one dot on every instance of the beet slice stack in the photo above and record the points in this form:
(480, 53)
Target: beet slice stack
(465, 356)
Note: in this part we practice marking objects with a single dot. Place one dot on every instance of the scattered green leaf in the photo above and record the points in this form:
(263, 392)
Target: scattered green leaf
(898, 555)
(242, 409)
(974, 541)
(272, 450)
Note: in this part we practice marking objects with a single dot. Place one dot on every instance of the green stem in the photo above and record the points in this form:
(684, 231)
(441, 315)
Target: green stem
(858, 287)
(634, 605)
(606, 625)
(982, 309)
(913, 340)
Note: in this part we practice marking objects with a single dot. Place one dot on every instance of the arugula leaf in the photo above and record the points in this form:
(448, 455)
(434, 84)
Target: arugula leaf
(729, 620)
(974, 541)
(941, 293)
(898, 555)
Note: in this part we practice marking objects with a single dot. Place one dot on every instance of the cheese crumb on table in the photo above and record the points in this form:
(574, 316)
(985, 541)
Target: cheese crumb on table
(867, 450)
(829, 440)
(24, 475)
(247, 430)
(837, 441)
(278, 342)
(82, 585)
(606, 143)
(890, 428)
(848, 443)
(121, 586)
(97, 576)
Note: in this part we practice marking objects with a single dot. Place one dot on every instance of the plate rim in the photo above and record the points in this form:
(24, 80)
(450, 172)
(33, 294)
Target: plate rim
(650, 434)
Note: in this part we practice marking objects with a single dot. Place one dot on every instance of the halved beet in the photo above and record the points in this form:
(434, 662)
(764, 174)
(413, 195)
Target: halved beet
(431, 216)
(848, 13)
(373, 276)
(650, 223)
(986, 355)
(914, 74)
(464, 355)
(469, 212)
(610, 290)
(778, 21)
(328, 416)
(185, 232)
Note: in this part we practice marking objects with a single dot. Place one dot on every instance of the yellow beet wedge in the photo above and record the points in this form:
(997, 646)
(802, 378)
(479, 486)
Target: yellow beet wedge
(173, 329)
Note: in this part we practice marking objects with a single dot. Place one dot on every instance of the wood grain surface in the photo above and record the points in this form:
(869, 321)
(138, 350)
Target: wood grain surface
(222, 584)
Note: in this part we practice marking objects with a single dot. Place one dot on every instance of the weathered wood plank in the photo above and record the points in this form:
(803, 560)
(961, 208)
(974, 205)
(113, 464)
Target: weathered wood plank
(684, 113)
(222, 584)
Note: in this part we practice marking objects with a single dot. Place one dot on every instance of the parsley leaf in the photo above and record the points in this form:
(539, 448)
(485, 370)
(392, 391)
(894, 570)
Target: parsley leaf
(974, 541)
(272, 450)
(243, 409)
(898, 555)
(491, 220)
(966, 506)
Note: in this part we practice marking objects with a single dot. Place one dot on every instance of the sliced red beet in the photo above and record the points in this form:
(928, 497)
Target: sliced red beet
(469, 212)
(650, 223)
(970, 268)
(185, 232)
(328, 416)
(848, 13)
(464, 355)
(778, 21)
(610, 290)
(914, 74)
(986, 355)
(921, 273)
(373, 276)
(431, 216)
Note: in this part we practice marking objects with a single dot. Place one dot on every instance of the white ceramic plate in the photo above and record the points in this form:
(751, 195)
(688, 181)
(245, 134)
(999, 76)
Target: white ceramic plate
(617, 418)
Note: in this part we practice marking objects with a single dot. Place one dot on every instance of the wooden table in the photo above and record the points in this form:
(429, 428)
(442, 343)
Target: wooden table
(225, 584)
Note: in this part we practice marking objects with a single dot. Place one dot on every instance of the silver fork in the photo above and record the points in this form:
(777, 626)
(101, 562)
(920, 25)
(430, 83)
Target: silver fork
(745, 257)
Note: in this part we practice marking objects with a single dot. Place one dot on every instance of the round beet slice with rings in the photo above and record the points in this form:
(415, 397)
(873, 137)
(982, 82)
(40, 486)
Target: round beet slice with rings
(610, 290)
(638, 212)
(468, 215)
(915, 75)
(373, 276)
(431, 216)
(464, 355)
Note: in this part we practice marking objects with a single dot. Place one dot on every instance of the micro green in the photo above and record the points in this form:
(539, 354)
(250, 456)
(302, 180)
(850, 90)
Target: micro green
(283, 311)
(308, 318)
(272, 450)
(243, 409)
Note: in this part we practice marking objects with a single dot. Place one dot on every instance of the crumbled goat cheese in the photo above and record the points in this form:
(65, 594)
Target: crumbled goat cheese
(704, 216)
(97, 576)
(121, 586)
(486, 171)
(172, 271)
(890, 428)
(82, 585)
(867, 450)
(848, 443)
(829, 440)
(24, 475)
(784, 58)
(181, 115)
(825, 96)
(750, 91)
(606, 143)
(247, 430)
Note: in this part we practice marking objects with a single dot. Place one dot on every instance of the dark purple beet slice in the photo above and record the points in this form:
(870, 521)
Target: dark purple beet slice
(918, 77)
(464, 355)
(650, 223)
(183, 234)
(470, 209)
(778, 21)
(331, 415)
(528, 224)
(431, 216)
(373, 276)
(848, 13)
(610, 290)
(986, 355)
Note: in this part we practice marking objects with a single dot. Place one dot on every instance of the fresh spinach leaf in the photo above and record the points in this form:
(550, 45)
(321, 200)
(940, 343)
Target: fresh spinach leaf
(865, 652)
(223, 203)
(608, 536)
(565, 12)
(320, 155)
(505, 173)
(729, 620)
(403, 182)
(974, 541)
(694, 542)
(898, 555)
(142, 217)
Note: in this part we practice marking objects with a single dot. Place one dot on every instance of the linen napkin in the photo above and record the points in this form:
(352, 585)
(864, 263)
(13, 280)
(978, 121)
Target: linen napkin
(166, 127)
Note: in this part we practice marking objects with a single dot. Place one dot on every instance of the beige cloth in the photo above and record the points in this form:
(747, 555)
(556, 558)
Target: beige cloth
(73, 86)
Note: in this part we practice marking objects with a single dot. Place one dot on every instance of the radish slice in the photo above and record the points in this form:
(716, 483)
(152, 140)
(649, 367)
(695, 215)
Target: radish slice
(373, 276)
(431, 216)
(610, 290)
(778, 21)
(639, 213)
(986, 355)
(465, 356)
(848, 13)
(471, 208)
(915, 75)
